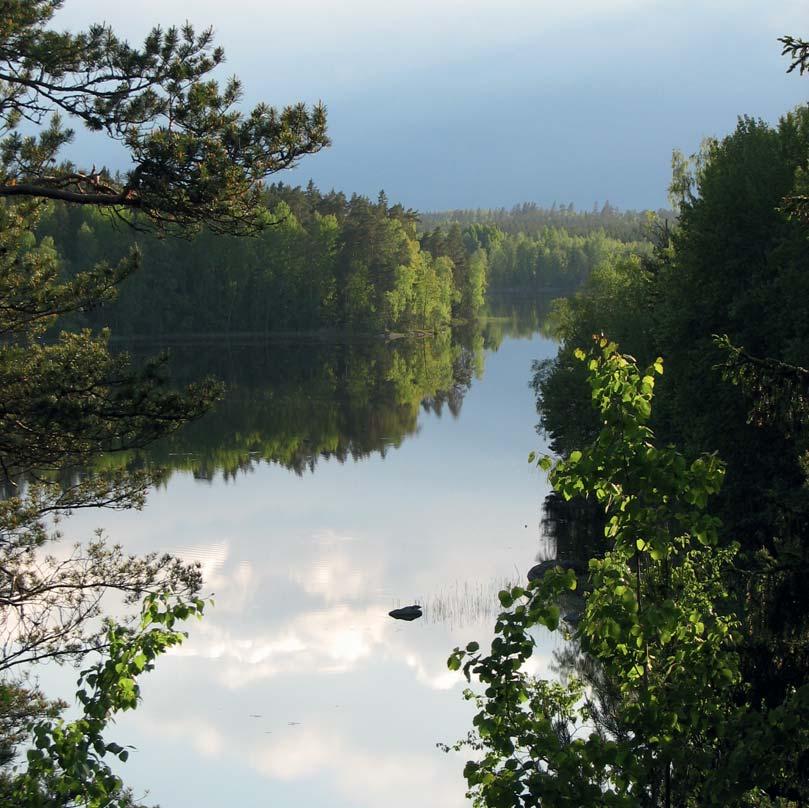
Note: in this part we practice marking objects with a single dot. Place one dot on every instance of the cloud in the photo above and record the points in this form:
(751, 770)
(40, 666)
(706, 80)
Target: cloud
(320, 756)
(322, 641)
(206, 739)
(340, 569)
(368, 778)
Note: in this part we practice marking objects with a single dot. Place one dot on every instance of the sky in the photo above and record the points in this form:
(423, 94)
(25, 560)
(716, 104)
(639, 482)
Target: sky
(450, 104)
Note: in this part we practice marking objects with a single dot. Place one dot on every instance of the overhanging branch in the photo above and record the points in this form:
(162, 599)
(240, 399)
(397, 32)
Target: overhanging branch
(123, 199)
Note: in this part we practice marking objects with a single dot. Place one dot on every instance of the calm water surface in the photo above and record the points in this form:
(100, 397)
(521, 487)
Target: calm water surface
(336, 483)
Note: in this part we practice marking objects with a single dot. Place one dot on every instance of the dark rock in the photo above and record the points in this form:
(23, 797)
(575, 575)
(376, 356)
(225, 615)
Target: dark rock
(406, 613)
(538, 570)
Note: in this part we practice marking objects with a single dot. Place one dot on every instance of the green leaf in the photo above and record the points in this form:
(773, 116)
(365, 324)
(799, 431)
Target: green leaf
(551, 618)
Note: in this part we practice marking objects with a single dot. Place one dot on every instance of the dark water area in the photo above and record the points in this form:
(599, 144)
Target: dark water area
(332, 484)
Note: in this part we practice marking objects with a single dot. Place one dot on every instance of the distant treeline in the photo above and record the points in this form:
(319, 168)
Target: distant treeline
(334, 262)
(552, 259)
(531, 220)
(327, 261)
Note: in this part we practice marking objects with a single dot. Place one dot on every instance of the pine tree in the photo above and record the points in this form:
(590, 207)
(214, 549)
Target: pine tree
(197, 161)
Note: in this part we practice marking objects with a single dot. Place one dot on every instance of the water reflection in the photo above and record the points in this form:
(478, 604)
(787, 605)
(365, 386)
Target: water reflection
(297, 688)
(295, 403)
(573, 529)
(469, 602)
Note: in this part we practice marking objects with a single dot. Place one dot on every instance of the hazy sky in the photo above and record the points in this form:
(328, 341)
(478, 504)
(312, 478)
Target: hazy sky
(446, 103)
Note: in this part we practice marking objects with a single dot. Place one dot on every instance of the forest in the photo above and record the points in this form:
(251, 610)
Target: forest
(675, 414)
(532, 220)
(324, 262)
(676, 410)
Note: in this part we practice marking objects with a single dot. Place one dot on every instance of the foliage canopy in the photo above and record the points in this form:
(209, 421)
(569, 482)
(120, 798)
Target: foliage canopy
(659, 624)
(196, 161)
(196, 158)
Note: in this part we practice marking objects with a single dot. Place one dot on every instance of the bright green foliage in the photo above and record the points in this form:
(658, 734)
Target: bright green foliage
(612, 301)
(432, 294)
(327, 263)
(552, 258)
(68, 762)
(735, 265)
(658, 621)
(475, 289)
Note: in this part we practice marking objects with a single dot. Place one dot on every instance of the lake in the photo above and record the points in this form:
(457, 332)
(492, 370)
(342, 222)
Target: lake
(335, 483)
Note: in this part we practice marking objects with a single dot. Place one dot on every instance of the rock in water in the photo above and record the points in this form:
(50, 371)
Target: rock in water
(406, 613)
(540, 569)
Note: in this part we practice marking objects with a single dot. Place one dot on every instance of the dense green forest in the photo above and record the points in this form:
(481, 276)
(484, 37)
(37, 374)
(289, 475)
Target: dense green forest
(682, 476)
(330, 262)
(325, 261)
(735, 266)
(552, 260)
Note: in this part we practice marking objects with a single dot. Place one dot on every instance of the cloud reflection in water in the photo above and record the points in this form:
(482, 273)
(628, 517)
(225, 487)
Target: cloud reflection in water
(297, 688)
